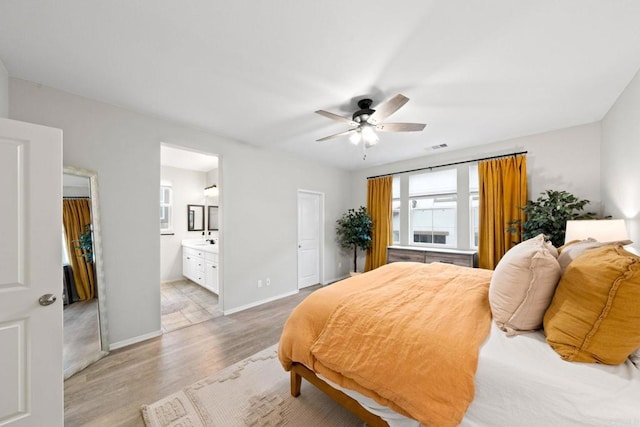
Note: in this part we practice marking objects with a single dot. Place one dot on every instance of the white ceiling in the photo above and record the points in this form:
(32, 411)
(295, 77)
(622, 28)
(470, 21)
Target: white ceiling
(185, 159)
(476, 71)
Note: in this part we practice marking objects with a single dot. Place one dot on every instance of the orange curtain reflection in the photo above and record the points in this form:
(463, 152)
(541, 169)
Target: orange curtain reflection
(76, 215)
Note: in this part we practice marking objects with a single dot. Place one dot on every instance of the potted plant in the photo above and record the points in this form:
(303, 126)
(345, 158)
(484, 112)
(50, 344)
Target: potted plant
(354, 231)
(86, 243)
(549, 215)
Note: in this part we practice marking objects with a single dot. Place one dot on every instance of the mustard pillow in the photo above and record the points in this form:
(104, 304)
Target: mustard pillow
(523, 284)
(595, 312)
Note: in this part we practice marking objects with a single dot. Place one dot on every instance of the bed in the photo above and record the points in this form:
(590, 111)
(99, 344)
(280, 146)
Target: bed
(503, 380)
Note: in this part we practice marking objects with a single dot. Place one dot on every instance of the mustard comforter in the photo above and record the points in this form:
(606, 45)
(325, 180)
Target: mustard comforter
(405, 334)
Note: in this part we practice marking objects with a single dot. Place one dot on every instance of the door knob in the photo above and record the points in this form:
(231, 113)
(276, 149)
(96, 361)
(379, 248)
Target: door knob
(47, 299)
(299, 246)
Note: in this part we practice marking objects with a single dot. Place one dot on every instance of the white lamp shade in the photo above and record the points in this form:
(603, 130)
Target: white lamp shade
(602, 230)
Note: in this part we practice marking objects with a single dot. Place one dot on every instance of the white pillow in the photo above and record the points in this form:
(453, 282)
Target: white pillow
(573, 250)
(523, 284)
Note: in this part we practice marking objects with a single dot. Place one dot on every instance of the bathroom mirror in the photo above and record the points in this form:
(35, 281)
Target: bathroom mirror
(212, 218)
(195, 217)
(85, 321)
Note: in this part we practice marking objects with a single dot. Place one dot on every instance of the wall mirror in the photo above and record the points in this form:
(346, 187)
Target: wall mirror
(195, 217)
(212, 218)
(85, 321)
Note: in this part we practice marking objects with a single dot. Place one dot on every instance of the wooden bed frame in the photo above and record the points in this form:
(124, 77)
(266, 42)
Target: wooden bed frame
(299, 371)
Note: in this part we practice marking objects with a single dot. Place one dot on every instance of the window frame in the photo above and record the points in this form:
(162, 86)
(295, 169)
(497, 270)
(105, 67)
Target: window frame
(169, 205)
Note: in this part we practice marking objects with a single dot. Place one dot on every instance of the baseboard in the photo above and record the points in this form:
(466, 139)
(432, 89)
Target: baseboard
(257, 303)
(337, 279)
(134, 340)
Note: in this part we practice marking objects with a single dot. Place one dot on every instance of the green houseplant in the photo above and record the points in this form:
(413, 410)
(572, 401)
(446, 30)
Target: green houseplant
(549, 215)
(354, 231)
(86, 243)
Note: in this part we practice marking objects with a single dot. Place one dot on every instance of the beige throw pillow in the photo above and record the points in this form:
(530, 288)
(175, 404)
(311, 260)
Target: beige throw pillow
(523, 284)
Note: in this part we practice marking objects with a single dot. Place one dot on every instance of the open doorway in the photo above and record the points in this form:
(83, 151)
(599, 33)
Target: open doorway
(191, 289)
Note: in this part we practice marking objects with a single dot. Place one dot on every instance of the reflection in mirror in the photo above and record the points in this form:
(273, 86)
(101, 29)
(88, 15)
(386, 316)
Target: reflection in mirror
(212, 218)
(195, 215)
(85, 322)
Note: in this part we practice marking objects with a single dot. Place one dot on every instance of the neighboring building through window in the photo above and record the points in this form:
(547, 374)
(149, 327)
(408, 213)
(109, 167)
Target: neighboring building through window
(433, 208)
(166, 209)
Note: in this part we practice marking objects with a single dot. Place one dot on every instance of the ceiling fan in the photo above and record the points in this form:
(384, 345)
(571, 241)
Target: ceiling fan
(366, 121)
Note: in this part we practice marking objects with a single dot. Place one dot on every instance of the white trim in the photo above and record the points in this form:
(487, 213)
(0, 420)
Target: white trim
(337, 279)
(135, 340)
(257, 303)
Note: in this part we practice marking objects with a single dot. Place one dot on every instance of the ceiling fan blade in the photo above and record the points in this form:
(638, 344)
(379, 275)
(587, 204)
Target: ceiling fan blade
(387, 108)
(336, 135)
(400, 127)
(336, 117)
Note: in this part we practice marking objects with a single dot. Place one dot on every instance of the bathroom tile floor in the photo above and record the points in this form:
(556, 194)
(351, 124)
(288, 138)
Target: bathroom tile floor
(185, 303)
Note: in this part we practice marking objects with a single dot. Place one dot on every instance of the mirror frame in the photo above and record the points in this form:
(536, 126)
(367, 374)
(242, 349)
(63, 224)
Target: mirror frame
(99, 267)
(196, 227)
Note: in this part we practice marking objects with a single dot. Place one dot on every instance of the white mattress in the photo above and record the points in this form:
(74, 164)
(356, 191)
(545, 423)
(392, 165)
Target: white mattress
(522, 382)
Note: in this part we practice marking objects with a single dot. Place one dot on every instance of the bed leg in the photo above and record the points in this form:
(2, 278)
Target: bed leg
(296, 382)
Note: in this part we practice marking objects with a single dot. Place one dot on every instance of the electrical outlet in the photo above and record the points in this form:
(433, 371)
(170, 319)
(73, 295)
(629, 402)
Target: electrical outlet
(268, 282)
(339, 265)
(259, 283)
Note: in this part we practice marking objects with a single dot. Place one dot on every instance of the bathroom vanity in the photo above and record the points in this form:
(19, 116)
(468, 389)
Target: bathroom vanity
(200, 263)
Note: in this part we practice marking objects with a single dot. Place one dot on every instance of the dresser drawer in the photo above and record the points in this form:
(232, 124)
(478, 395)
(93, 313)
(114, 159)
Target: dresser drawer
(192, 252)
(461, 260)
(461, 257)
(401, 255)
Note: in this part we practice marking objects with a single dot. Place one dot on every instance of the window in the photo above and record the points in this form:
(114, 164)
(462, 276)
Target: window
(395, 209)
(166, 209)
(474, 205)
(433, 208)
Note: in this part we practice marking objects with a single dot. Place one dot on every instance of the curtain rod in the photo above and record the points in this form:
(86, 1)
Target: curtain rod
(76, 197)
(448, 164)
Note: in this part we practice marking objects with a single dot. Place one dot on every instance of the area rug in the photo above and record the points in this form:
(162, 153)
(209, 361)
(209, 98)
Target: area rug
(253, 392)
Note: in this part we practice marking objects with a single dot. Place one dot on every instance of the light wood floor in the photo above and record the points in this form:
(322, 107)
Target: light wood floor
(111, 391)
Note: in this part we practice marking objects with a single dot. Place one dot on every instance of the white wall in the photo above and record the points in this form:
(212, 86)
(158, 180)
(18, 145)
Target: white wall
(188, 189)
(620, 152)
(258, 193)
(4, 91)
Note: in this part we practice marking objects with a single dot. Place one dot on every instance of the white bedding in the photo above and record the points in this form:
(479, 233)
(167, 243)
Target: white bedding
(522, 382)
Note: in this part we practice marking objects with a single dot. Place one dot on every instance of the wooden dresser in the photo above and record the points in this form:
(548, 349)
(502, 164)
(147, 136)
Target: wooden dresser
(462, 257)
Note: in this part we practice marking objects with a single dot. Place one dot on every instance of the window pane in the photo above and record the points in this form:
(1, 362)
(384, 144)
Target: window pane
(474, 216)
(396, 221)
(473, 178)
(433, 220)
(438, 182)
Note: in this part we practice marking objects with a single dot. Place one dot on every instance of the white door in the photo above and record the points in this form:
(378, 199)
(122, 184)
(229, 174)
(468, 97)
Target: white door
(309, 214)
(31, 371)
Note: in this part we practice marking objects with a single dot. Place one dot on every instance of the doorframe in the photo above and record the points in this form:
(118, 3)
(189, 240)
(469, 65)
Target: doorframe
(321, 218)
(220, 185)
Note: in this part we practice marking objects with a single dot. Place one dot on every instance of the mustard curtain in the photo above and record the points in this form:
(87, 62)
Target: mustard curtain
(503, 189)
(379, 208)
(76, 213)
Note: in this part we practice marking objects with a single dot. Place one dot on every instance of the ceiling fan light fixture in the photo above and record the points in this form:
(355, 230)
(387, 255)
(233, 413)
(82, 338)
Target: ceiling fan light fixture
(369, 136)
(355, 137)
